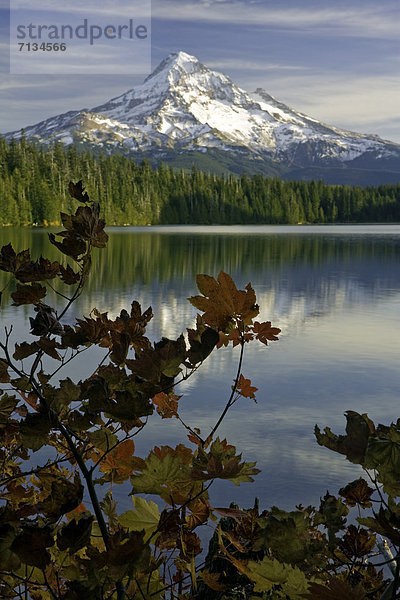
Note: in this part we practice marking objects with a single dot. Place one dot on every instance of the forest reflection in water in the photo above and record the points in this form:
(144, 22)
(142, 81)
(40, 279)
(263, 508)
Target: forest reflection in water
(334, 292)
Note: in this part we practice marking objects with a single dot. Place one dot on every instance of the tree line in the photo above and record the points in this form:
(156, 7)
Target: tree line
(33, 190)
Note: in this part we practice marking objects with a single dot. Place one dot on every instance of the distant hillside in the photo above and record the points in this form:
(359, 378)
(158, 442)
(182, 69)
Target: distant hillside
(33, 189)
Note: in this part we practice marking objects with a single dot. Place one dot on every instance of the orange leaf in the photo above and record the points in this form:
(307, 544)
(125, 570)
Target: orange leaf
(184, 454)
(120, 462)
(245, 388)
(166, 405)
(125, 450)
(199, 512)
(196, 440)
(265, 332)
(223, 303)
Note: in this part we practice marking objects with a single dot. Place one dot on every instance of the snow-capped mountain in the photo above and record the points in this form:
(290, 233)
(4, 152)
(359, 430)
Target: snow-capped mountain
(184, 110)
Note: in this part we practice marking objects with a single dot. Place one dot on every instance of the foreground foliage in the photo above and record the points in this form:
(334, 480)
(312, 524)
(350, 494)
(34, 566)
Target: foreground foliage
(61, 536)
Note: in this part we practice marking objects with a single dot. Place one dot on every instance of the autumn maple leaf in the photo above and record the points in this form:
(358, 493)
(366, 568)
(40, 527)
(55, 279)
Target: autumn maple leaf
(245, 388)
(264, 332)
(166, 405)
(222, 303)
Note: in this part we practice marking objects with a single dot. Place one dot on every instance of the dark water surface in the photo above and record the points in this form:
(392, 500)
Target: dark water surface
(333, 290)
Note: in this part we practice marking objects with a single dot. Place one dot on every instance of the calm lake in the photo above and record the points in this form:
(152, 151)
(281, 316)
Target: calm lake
(333, 290)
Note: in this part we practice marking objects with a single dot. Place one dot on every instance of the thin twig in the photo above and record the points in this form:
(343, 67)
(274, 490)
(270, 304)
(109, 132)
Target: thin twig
(68, 360)
(57, 292)
(230, 401)
(32, 471)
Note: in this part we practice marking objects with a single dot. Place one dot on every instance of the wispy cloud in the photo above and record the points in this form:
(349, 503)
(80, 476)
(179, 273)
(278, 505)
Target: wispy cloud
(365, 104)
(115, 8)
(35, 98)
(368, 21)
(239, 64)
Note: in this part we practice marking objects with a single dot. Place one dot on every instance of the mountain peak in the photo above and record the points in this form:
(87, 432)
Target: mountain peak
(176, 61)
(181, 58)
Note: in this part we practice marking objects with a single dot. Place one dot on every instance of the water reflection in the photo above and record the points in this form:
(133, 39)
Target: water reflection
(335, 293)
(286, 264)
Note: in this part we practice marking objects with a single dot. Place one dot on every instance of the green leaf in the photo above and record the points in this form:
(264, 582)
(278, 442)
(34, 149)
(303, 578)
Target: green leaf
(162, 472)
(383, 454)
(22, 383)
(289, 535)
(270, 572)
(267, 573)
(385, 523)
(332, 514)
(145, 516)
(9, 560)
(296, 585)
(102, 439)
(114, 376)
(151, 586)
(7, 406)
(221, 462)
(109, 508)
(63, 396)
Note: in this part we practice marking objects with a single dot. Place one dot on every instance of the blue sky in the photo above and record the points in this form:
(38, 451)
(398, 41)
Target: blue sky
(337, 61)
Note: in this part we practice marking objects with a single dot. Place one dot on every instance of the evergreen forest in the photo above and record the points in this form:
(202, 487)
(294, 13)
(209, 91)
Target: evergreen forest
(34, 189)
